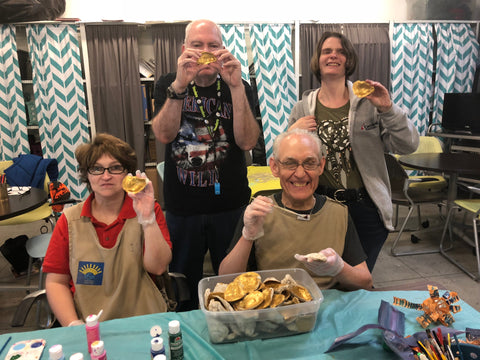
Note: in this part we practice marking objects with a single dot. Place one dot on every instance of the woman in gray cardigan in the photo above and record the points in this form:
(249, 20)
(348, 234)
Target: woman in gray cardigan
(356, 131)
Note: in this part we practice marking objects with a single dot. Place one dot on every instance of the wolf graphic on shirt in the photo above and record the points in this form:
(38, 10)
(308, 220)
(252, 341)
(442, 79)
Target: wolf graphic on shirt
(198, 150)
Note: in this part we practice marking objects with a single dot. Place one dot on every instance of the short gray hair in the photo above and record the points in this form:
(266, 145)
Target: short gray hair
(313, 136)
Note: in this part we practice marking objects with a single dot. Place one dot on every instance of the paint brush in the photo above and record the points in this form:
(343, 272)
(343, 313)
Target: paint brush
(5, 345)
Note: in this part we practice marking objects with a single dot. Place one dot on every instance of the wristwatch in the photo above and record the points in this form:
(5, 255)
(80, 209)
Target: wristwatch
(171, 94)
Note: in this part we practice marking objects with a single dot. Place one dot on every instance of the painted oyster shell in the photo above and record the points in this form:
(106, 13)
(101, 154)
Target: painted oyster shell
(362, 88)
(248, 292)
(206, 58)
(133, 184)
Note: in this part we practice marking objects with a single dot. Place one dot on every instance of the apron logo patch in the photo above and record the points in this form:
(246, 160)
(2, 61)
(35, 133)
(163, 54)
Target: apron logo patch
(90, 273)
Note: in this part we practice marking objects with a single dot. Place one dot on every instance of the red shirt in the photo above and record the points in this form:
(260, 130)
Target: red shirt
(57, 257)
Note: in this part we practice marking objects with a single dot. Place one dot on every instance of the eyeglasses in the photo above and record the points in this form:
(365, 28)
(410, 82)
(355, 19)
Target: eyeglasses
(99, 170)
(292, 165)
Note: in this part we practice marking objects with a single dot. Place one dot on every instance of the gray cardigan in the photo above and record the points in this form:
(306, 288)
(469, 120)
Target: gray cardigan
(371, 134)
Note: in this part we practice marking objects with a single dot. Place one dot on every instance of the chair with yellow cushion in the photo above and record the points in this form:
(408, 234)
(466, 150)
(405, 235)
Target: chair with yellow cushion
(412, 197)
(428, 182)
(261, 180)
(472, 207)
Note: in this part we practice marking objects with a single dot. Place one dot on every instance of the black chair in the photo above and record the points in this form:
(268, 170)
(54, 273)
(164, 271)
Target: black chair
(405, 195)
(175, 288)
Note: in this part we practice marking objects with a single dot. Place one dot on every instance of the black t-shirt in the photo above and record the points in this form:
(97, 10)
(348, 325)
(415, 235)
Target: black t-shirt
(353, 252)
(205, 170)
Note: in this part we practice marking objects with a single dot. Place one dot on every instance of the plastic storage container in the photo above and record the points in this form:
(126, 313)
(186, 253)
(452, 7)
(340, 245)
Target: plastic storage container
(232, 326)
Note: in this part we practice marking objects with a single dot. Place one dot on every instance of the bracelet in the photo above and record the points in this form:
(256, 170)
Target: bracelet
(253, 238)
(144, 222)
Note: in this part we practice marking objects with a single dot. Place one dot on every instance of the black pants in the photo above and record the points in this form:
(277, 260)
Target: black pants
(370, 228)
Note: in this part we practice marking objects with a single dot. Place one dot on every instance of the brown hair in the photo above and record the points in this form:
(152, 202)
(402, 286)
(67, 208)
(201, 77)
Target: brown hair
(104, 144)
(347, 46)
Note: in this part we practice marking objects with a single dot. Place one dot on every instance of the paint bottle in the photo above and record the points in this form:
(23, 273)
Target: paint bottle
(175, 340)
(157, 347)
(76, 356)
(56, 353)
(93, 330)
(98, 351)
(160, 357)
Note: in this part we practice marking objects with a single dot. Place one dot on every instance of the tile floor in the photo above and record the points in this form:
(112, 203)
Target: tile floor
(406, 272)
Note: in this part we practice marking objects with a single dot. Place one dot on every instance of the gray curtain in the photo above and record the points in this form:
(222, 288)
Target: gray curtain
(115, 81)
(371, 42)
(167, 46)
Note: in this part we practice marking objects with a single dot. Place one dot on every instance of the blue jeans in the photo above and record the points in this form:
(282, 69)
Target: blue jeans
(191, 237)
(370, 228)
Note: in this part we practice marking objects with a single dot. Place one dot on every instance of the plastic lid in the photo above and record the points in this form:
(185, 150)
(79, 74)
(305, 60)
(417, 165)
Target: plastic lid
(174, 327)
(55, 352)
(97, 348)
(160, 357)
(92, 320)
(155, 331)
(76, 356)
(157, 343)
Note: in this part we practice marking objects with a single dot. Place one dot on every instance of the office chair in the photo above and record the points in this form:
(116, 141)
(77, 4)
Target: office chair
(434, 183)
(472, 207)
(403, 194)
(36, 249)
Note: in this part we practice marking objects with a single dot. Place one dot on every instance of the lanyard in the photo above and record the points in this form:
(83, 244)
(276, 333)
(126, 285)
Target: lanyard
(206, 119)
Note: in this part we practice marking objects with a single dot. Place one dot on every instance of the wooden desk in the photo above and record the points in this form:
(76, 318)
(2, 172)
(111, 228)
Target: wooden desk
(21, 204)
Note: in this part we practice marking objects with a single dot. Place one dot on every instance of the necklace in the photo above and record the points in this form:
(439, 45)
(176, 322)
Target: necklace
(301, 217)
(206, 118)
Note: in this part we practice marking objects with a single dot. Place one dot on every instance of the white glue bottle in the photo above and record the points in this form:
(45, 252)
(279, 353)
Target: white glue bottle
(175, 340)
(92, 328)
(56, 353)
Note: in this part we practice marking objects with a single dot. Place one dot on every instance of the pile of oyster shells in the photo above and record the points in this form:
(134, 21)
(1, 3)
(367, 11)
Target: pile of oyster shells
(248, 292)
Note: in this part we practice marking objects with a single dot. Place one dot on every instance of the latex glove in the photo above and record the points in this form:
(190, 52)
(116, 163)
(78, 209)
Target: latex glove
(332, 266)
(76, 323)
(254, 217)
(144, 202)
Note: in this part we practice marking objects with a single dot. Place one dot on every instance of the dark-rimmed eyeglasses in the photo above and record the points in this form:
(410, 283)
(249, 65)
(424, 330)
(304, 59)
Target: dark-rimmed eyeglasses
(292, 165)
(99, 170)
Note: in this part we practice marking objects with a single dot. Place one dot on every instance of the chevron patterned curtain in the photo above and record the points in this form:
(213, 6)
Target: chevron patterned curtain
(233, 36)
(275, 76)
(13, 120)
(59, 98)
(457, 55)
(411, 71)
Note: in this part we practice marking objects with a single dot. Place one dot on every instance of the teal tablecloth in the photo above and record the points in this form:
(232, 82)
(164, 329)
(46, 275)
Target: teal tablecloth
(339, 314)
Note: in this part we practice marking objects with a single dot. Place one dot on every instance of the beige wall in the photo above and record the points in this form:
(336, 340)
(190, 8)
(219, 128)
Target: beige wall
(249, 11)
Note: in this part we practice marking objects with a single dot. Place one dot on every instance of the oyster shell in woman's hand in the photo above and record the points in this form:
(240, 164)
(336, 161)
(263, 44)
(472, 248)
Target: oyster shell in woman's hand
(133, 184)
(362, 88)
